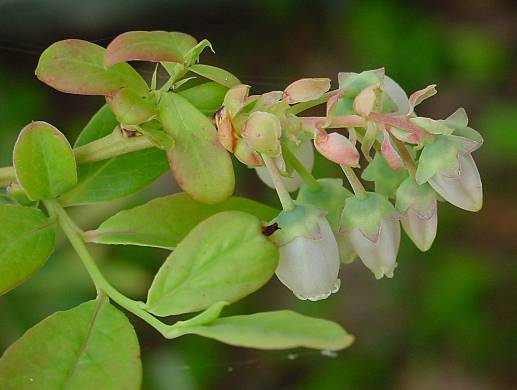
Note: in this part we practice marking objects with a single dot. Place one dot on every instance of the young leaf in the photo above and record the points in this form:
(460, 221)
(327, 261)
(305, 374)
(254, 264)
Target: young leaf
(164, 222)
(153, 46)
(272, 330)
(216, 74)
(131, 108)
(27, 239)
(224, 258)
(202, 167)
(92, 346)
(115, 177)
(44, 161)
(76, 66)
(207, 97)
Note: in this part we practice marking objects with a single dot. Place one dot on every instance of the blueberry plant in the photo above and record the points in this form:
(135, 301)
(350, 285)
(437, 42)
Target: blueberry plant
(223, 247)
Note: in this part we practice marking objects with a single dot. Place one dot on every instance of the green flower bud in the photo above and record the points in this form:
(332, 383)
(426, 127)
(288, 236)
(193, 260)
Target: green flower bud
(262, 132)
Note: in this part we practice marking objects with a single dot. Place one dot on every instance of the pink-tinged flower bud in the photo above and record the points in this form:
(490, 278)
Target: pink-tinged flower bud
(372, 227)
(305, 153)
(225, 131)
(418, 212)
(336, 148)
(390, 154)
(365, 101)
(447, 165)
(304, 90)
(236, 98)
(246, 155)
(309, 256)
(262, 132)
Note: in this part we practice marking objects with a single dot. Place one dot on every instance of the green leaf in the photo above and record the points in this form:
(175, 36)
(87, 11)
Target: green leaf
(131, 108)
(207, 97)
(201, 166)
(153, 46)
(27, 239)
(100, 125)
(115, 177)
(44, 161)
(273, 330)
(76, 66)
(164, 222)
(224, 258)
(216, 74)
(92, 346)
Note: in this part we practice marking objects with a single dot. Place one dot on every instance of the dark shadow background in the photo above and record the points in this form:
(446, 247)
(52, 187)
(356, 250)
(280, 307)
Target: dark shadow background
(447, 320)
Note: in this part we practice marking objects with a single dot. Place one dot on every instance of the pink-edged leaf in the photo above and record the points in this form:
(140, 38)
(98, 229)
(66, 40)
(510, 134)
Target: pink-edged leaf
(76, 66)
(419, 96)
(152, 46)
(200, 164)
(336, 148)
(390, 154)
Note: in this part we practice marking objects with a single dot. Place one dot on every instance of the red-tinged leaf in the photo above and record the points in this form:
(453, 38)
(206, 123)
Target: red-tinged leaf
(76, 66)
(152, 46)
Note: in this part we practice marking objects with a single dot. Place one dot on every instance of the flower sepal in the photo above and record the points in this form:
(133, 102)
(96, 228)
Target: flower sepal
(302, 221)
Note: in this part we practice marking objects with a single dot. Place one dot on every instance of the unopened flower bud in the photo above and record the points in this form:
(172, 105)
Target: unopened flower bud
(418, 212)
(389, 153)
(309, 256)
(336, 148)
(365, 101)
(304, 90)
(371, 224)
(235, 98)
(305, 153)
(262, 132)
(447, 165)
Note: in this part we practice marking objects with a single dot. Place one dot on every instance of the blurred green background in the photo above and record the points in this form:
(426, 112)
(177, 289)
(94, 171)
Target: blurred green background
(448, 319)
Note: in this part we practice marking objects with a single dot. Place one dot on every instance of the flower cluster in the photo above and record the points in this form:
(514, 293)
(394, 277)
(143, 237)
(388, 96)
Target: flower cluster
(369, 122)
